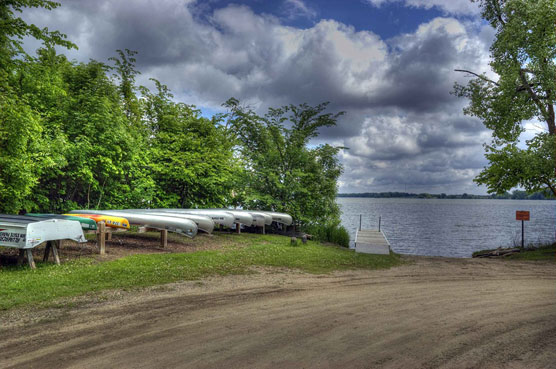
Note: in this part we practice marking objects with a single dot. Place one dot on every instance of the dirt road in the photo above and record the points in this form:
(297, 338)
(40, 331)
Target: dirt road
(432, 313)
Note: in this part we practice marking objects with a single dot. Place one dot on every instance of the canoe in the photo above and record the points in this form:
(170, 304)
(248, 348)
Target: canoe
(259, 218)
(182, 226)
(87, 224)
(204, 223)
(219, 217)
(110, 221)
(25, 232)
(239, 217)
(280, 217)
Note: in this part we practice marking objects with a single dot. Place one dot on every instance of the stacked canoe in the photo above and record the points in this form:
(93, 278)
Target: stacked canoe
(26, 232)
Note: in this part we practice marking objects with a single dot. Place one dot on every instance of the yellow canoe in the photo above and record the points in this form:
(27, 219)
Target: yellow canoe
(110, 221)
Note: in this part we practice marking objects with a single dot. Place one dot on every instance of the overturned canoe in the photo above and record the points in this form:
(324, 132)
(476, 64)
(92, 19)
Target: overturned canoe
(280, 217)
(182, 226)
(86, 223)
(239, 217)
(109, 220)
(25, 232)
(204, 223)
(259, 217)
(219, 217)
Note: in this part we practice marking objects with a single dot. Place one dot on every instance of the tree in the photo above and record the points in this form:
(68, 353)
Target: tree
(24, 154)
(523, 58)
(191, 157)
(282, 172)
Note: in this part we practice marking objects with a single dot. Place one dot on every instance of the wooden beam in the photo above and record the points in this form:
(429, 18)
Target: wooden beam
(55, 246)
(163, 237)
(20, 257)
(30, 260)
(101, 238)
(47, 251)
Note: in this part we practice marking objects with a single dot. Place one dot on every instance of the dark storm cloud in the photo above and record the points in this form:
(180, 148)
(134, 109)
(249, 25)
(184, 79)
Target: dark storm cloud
(402, 125)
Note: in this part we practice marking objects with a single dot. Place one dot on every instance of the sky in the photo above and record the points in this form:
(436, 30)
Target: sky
(388, 64)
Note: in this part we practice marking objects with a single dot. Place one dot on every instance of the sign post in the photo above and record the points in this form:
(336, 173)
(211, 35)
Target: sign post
(523, 216)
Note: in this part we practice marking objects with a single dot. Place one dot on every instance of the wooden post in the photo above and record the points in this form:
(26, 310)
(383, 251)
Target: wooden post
(360, 216)
(20, 257)
(55, 246)
(163, 237)
(30, 258)
(263, 228)
(47, 251)
(109, 235)
(238, 228)
(379, 219)
(101, 239)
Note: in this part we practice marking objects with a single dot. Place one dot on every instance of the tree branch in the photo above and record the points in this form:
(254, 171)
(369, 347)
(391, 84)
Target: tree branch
(477, 75)
(537, 101)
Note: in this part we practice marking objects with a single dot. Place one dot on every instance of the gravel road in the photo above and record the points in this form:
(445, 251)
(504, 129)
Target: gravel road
(430, 313)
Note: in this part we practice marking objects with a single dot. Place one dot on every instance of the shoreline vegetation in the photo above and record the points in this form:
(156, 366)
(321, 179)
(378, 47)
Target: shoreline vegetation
(141, 265)
(531, 252)
(514, 195)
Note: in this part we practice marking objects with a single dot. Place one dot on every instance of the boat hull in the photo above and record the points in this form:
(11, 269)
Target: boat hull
(185, 227)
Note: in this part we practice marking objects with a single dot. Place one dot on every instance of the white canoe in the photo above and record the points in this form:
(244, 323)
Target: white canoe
(259, 217)
(240, 217)
(280, 217)
(27, 232)
(182, 226)
(204, 223)
(219, 217)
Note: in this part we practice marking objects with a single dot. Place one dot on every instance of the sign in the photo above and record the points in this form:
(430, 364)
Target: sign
(521, 215)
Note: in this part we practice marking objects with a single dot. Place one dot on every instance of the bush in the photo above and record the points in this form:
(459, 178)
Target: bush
(330, 233)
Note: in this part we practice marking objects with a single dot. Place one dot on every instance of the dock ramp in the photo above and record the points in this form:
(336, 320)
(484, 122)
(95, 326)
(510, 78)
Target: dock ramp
(371, 242)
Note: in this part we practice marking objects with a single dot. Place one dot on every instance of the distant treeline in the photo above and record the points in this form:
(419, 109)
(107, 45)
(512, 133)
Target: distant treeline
(515, 195)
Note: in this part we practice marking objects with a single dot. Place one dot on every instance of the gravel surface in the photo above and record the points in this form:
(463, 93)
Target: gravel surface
(432, 312)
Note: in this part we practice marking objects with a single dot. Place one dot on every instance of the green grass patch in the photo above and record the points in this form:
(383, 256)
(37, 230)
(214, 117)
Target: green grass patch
(547, 252)
(22, 286)
(542, 252)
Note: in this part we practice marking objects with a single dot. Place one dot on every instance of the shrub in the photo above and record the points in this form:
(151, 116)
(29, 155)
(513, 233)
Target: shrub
(336, 234)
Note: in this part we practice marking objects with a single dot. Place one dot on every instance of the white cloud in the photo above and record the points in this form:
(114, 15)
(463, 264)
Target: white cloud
(402, 124)
(453, 7)
(297, 8)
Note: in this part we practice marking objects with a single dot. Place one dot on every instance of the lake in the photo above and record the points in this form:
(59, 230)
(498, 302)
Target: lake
(445, 227)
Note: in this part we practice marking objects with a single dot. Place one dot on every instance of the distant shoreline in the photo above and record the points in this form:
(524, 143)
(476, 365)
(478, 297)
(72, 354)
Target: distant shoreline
(515, 195)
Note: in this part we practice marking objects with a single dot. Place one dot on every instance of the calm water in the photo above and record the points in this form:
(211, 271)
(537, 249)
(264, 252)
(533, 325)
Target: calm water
(453, 228)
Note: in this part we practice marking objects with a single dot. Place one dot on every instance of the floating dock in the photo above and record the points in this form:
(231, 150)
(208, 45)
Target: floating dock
(371, 242)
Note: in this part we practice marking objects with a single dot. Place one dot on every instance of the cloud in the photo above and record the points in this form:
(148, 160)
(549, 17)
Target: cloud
(450, 7)
(297, 8)
(402, 125)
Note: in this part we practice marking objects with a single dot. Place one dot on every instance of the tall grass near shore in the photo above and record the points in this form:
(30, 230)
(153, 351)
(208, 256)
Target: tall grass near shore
(336, 234)
(22, 286)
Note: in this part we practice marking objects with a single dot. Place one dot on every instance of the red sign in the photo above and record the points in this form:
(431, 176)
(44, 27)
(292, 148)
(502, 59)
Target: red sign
(521, 215)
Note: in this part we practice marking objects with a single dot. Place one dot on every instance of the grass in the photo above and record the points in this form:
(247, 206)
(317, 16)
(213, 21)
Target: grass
(539, 252)
(21, 286)
(547, 252)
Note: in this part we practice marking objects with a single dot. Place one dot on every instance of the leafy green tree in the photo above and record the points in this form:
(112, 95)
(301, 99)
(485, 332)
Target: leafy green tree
(282, 172)
(24, 154)
(191, 157)
(93, 156)
(523, 59)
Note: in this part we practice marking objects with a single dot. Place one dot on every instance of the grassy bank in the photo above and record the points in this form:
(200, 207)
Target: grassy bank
(544, 252)
(22, 286)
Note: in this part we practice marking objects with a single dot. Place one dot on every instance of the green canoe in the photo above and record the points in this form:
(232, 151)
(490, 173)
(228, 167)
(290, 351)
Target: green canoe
(86, 223)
